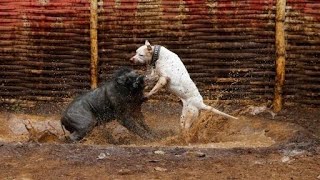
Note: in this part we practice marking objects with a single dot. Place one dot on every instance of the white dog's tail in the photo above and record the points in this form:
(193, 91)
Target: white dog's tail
(209, 108)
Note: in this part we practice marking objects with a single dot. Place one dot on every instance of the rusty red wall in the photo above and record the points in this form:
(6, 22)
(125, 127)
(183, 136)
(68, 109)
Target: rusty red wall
(227, 46)
(44, 48)
(303, 52)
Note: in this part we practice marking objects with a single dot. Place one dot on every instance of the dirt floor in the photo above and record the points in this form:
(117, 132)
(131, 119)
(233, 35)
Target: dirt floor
(259, 145)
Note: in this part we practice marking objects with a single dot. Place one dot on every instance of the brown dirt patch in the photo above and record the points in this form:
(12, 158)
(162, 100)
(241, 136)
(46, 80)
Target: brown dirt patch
(253, 147)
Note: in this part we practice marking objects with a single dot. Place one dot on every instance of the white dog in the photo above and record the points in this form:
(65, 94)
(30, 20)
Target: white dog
(167, 67)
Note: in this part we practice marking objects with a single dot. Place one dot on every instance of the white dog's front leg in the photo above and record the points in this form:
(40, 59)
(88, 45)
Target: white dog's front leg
(161, 82)
(151, 80)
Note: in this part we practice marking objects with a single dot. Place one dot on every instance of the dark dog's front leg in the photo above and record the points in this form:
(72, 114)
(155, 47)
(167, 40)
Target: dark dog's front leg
(137, 126)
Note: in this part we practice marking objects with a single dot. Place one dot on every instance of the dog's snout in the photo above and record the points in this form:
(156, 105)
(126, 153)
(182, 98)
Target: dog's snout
(132, 59)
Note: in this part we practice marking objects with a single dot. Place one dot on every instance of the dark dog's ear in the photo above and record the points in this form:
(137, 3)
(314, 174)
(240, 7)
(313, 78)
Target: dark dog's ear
(140, 79)
(139, 82)
(121, 80)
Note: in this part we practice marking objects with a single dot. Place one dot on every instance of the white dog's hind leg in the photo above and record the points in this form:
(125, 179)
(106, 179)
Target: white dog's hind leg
(162, 82)
(189, 114)
(209, 108)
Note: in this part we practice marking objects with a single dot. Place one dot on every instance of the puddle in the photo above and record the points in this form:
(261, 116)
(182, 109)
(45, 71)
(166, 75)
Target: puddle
(209, 131)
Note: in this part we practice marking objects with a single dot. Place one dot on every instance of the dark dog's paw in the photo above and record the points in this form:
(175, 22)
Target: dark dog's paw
(144, 99)
(66, 139)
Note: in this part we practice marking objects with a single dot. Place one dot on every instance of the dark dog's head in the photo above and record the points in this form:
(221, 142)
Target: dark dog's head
(129, 79)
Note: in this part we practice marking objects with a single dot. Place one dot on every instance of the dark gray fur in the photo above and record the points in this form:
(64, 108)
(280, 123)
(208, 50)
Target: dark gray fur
(120, 99)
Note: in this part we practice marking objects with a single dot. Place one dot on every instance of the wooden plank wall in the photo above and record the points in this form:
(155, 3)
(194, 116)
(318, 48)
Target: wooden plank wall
(44, 49)
(227, 46)
(303, 51)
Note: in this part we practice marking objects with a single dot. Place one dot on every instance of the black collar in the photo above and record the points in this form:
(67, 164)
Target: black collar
(155, 55)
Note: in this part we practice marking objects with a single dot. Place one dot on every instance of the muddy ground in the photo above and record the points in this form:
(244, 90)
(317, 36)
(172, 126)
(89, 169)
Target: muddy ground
(260, 145)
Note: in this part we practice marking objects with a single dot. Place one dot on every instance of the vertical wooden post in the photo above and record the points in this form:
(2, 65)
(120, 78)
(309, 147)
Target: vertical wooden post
(280, 55)
(94, 43)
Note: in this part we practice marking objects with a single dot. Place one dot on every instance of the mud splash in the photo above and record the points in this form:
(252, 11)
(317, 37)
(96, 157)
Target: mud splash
(26, 127)
(209, 131)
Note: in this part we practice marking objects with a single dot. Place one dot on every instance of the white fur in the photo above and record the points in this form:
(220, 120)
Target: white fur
(172, 72)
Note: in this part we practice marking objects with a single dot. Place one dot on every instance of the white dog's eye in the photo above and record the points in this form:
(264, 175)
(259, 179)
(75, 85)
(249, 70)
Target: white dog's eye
(141, 55)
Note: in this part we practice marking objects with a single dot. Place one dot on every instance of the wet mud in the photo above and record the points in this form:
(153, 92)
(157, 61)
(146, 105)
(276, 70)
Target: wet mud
(209, 131)
(257, 145)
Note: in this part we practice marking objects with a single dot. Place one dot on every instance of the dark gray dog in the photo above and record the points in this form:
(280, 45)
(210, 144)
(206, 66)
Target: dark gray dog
(120, 99)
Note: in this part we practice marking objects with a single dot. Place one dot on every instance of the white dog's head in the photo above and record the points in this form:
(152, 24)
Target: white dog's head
(143, 54)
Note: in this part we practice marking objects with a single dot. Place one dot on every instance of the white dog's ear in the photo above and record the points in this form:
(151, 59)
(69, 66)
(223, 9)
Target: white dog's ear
(148, 45)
